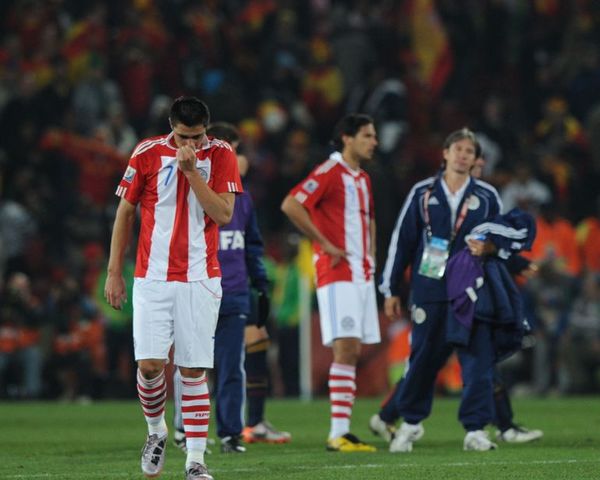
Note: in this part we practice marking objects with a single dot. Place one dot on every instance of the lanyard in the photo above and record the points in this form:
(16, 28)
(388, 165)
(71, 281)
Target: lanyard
(459, 220)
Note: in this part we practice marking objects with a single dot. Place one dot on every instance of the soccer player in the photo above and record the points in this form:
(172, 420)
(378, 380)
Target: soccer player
(241, 258)
(185, 184)
(333, 207)
(433, 222)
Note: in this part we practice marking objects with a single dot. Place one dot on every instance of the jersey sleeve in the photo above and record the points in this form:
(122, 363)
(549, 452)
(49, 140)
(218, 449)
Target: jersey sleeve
(131, 185)
(226, 176)
(403, 244)
(371, 201)
(255, 252)
(310, 190)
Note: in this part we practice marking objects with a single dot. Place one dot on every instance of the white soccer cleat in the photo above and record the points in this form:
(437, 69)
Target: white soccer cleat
(197, 471)
(478, 441)
(265, 432)
(405, 436)
(382, 429)
(153, 455)
(517, 434)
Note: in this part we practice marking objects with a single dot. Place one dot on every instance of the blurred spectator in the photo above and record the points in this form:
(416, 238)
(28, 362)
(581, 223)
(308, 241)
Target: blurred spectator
(558, 128)
(351, 43)
(76, 367)
(323, 86)
(579, 355)
(136, 75)
(120, 134)
(500, 142)
(524, 190)
(17, 228)
(555, 243)
(99, 164)
(119, 348)
(20, 348)
(548, 295)
(383, 96)
(593, 133)
(93, 96)
(588, 240)
(55, 99)
(285, 278)
(19, 120)
(283, 58)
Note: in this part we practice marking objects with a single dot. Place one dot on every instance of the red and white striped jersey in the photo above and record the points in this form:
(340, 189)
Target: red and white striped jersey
(177, 240)
(340, 203)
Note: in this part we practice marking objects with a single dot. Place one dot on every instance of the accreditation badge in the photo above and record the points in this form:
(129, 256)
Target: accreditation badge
(435, 258)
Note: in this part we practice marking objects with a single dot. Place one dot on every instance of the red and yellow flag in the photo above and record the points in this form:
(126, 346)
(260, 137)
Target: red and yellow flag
(430, 44)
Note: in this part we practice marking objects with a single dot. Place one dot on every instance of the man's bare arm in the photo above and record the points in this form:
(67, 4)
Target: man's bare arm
(300, 217)
(114, 288)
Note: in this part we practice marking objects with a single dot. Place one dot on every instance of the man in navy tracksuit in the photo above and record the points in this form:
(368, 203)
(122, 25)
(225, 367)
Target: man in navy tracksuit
(241, 258)
(435, 218)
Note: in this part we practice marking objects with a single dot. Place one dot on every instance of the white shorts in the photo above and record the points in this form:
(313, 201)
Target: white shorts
(348, 310)
(180, 313)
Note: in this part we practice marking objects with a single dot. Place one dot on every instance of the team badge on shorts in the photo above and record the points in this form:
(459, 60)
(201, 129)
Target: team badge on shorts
(347, 323)
(419, 315)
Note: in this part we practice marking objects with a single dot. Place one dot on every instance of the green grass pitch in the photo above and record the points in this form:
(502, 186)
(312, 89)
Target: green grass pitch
(59, 441)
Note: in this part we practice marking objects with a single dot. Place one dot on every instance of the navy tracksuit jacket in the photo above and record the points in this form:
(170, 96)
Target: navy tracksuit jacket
(413, 396)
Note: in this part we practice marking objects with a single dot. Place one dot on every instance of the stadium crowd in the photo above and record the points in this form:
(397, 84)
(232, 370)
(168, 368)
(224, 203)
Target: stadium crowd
(81, 82)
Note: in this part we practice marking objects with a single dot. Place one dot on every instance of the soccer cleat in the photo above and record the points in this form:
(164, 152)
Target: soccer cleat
(266, 433)
(179, 440)
(405, 436)
(517, 434)
(153, 455)
(478, 441)
(232, 444)
(348, 443)
(382, 429)
(197, 471)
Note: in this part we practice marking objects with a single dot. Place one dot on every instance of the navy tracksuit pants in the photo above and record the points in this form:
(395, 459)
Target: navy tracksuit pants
(412, 397)
(230, 382)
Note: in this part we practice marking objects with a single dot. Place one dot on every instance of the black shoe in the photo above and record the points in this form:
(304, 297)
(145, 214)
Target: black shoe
(232, 444)
(179, 440)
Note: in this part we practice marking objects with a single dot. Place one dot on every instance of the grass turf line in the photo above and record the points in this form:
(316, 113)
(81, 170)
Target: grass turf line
(59, 441)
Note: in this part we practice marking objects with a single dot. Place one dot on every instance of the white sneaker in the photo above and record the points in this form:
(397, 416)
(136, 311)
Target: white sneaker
(381, 428)
(517, 434)
(478, 441)
(405, 436)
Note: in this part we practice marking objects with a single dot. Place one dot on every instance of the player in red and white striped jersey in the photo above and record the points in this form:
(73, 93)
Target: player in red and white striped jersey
(333, 206)
(185, 184)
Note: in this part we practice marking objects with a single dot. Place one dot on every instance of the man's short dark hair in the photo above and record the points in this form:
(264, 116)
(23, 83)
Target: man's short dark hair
(224, 131)
(190, 111)
(349, 125)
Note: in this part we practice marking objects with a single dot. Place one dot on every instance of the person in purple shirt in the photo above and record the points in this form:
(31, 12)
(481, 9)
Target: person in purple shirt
(240, 377)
